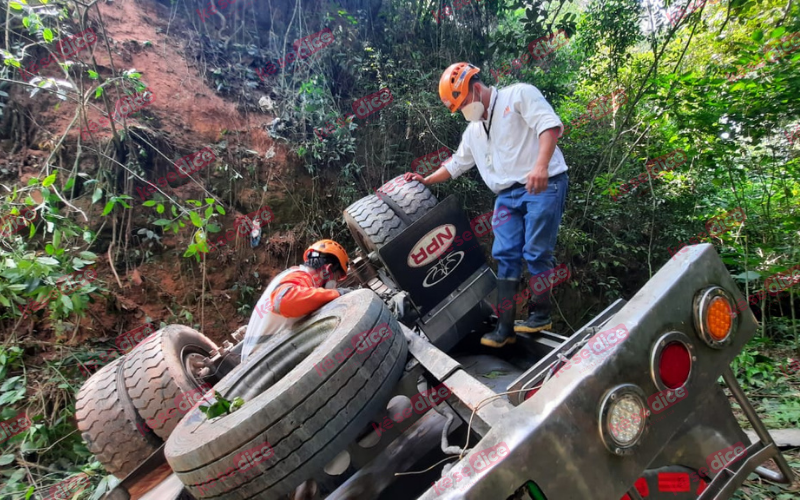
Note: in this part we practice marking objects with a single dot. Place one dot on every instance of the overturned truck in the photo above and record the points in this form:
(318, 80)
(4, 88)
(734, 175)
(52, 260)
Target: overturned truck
(386, 393)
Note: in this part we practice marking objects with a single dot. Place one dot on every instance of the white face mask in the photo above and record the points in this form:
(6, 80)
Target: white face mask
(473, 111)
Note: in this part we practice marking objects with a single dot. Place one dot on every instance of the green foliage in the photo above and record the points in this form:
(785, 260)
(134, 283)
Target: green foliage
(324, 149)
(753, 368)
(613, 24)
(221, 406)
(113, 201)
(27, 276)
(13, 388)
(52, 433)
(246, 299)
(200, 219)
(770, 381)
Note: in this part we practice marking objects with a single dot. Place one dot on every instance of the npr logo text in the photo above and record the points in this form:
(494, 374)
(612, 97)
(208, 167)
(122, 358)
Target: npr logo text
(431, 246)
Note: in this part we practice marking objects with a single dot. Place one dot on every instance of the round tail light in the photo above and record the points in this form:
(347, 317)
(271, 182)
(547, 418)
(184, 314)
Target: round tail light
(719, 319)
(623, 418)
(674, 365)
(714, 317)
(671, 361)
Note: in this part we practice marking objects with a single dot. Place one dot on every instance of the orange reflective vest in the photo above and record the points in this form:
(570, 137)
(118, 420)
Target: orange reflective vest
(290, 295)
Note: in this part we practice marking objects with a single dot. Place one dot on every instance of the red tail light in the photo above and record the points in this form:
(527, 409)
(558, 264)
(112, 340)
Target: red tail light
(671, 361)
(674, 365)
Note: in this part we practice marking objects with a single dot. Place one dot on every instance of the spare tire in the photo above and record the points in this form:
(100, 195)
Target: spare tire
(308, 393)
(374, 223)
(109, 424)
(159, 379)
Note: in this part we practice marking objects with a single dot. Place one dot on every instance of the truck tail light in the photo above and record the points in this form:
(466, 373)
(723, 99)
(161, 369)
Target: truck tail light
(674, 365)
(719, 319)
(671, 360)
(714, 318)
(623, 418)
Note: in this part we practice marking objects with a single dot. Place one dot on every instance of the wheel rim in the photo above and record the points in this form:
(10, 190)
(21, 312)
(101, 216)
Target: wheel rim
(194, 360)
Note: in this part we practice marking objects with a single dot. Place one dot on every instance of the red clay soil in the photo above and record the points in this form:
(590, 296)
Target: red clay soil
(186, 108)
(167, 286)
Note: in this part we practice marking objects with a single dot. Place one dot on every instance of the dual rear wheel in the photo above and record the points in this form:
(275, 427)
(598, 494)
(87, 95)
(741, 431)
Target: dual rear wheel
(308, 393)
(129, 407)
(377, 219)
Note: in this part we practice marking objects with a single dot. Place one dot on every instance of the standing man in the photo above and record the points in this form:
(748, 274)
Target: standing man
(512, 139)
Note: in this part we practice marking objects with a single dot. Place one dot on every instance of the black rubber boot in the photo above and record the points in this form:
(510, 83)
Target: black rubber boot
(506, 310)
(539, 318)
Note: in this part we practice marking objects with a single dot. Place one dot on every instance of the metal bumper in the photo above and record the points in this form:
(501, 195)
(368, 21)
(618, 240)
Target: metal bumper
(554, 438)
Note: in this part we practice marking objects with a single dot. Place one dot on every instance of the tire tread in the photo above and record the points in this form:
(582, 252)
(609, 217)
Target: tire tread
(101, 419)
(375, 219)
(413, 197)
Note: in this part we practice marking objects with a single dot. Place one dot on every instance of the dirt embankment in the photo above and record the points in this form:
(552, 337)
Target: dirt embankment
(158, 284)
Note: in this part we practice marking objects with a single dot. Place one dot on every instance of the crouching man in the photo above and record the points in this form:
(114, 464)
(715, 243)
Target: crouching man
(297, 292)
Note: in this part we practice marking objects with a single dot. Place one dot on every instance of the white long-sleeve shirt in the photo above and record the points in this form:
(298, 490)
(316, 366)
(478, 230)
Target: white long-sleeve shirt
(521, 114)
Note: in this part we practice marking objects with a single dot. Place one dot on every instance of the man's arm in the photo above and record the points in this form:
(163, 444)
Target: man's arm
(537, 177)
(539, 115)
(456, 165)
(440, 175)
(297, 296)
(294, 301)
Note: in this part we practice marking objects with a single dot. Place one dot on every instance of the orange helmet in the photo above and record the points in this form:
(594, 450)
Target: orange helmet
(454, 84)
(329, 247)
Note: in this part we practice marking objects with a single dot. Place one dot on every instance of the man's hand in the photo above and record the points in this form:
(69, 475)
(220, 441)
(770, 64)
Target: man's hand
(413, 176)
(537, 179)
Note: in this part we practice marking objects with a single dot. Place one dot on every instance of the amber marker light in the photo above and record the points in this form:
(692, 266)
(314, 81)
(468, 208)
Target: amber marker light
(719, 318)
(714, 319)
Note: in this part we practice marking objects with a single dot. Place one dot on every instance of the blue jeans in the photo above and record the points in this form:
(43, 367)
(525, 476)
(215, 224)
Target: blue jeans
(531, 229)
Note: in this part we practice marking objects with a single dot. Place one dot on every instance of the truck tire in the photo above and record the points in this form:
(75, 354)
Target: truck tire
(108, 422)
(374, 223)
(413, 198)
(308, 394)
(158, 378)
